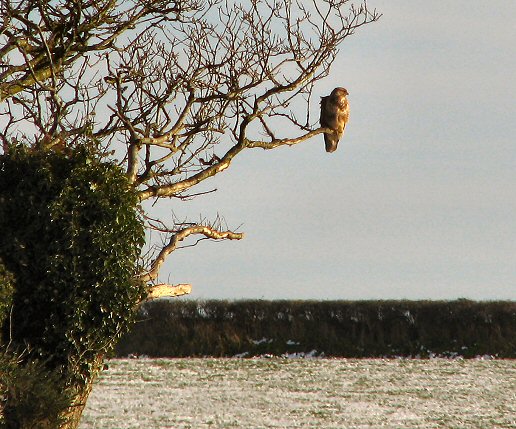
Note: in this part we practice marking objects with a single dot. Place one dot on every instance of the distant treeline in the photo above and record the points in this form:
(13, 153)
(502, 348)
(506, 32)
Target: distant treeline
(183, 328)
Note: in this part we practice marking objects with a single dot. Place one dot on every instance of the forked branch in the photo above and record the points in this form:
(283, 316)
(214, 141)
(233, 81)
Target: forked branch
(181, 235)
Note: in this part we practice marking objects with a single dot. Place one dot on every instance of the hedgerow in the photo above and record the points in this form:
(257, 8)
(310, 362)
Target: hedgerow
(335, 328)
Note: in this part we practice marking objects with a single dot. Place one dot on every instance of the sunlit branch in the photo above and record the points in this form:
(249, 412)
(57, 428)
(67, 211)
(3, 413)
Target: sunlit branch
(179, 236)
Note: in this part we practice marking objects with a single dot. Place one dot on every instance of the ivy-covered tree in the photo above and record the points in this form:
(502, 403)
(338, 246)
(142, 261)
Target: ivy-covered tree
(71, 239)
(108, 105)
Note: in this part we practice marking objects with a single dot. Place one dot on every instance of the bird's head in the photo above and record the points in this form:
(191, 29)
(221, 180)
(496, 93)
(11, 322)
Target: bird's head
(339, 92)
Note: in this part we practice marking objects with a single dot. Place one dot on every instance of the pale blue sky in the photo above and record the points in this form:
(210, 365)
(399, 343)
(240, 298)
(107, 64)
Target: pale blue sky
(418, 202)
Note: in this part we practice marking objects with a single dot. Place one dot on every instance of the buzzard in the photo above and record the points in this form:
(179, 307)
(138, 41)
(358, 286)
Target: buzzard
(334, 115)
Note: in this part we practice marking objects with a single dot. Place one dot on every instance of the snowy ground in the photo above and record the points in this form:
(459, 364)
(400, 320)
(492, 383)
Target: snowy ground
(304, 393)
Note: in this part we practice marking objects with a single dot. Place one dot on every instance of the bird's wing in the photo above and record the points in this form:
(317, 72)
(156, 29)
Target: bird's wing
(323, 120)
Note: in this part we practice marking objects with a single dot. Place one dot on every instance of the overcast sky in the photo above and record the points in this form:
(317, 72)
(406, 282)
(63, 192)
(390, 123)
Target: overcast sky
(418, 202)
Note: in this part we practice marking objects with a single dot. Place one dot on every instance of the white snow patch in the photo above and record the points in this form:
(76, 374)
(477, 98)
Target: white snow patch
(261, 341)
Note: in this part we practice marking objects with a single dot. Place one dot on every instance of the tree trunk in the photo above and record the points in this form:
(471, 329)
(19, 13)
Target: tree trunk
(72, 416)
(74, 413)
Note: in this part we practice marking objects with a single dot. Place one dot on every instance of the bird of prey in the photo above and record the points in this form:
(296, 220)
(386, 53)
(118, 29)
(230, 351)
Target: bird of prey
(334, 115)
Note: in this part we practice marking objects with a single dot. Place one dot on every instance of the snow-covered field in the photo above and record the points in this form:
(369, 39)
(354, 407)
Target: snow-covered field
(304, 393)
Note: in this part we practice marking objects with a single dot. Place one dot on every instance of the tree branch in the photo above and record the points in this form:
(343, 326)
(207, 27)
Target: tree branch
(176, 188)
(274, 143)
(164, 290)
(179, 236)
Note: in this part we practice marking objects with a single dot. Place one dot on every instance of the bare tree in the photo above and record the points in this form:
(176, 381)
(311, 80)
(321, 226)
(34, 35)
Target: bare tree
(174, 89)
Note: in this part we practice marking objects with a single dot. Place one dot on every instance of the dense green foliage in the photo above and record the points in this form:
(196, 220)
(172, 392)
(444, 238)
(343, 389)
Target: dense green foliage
(70, 241)
(336, 328)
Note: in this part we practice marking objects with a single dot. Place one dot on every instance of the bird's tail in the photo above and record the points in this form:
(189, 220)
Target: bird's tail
(331, 141)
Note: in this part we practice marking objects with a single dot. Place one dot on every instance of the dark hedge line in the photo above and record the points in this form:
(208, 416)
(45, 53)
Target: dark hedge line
(184, 328)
